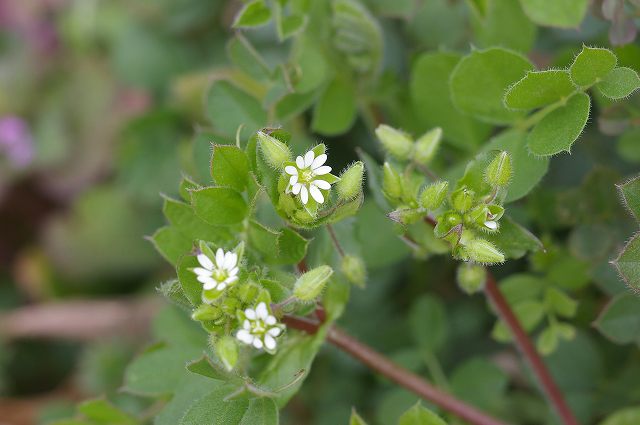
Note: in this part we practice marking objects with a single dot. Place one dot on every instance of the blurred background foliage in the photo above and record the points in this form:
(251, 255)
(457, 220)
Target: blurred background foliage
(102, 103)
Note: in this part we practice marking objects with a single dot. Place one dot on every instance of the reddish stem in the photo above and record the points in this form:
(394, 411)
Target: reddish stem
(529, 352)
(394, 372)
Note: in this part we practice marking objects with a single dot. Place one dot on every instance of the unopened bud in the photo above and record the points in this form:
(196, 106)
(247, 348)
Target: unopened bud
(273, 150)
(227, 351)
(498, 172)
(471, 277)
(310, 285)
(391, 182)
(462, 199)
(396, 142)
(206, 312)
(350, 184)
(484, 252)
(446, 222)
(406, 215)
(248, 293)
(433, 195)
(427, 146)
(354, 269)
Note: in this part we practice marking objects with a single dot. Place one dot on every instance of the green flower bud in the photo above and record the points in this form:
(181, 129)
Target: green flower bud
(273, 150)
(427, 146)
(446, 222)
(406, 215)
(230, 305)
(482, 251)
(391, 182)
(396, 142)
(310, 285)
(247, 293)
(471, 277)
(462, 199)
(498, 172)
(206, 312)
(433, 195)
(227, 351)
(354, 269)
(350, 184)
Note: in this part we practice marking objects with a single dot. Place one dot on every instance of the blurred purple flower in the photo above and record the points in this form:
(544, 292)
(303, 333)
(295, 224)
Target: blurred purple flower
(16, 141)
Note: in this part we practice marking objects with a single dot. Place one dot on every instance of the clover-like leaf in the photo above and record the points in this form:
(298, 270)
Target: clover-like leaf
(591, 65)
(630, 192)
(628, 263)
(619, 83)
(556, 13)
(539, 88)
(620, 319)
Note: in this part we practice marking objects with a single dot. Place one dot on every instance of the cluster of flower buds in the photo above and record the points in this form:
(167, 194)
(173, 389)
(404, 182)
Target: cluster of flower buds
(461, 215)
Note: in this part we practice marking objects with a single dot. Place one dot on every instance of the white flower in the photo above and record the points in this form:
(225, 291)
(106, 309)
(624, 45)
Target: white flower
(303, 177)
(220, 273)
(490, 224)
(260, 328)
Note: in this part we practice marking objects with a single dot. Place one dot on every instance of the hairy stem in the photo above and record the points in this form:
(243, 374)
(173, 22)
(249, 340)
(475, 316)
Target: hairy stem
(401, 376)
(334, 239)
(529, 352)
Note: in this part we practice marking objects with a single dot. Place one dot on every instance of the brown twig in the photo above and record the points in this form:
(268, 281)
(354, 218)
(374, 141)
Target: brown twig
(529, 352)
(394, 372)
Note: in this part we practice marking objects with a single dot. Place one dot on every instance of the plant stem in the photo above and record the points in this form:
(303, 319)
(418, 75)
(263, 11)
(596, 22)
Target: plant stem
(394, 372)
(334, 239)
(549, 387)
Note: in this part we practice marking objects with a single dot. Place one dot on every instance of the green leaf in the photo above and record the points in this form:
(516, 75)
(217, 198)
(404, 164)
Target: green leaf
(514, 240)
(190, 286)
(103, 412)
(419, 415)
(253, 14)
(219, 205)
(213, 409)
(427, 309)
(560, 303)
(261, 411)
(230, 167)
(529, 312)
(539, 88)
(290, 25)
(229, 107)
(480, 79)
(205, 367)
(620, 320)
(479, 382)
(591, 65)
(244, 55)
(183, 218)
(187, 391)
(619, 83)
(557, 131)
(336, 109)
(528, 169)
(628, 263)
(547, 341)
(356, 419)
(171, 244)
(630, 192)
(556, 13)
(503, 23)
(627, 416)
(432, 103)
(292, 247)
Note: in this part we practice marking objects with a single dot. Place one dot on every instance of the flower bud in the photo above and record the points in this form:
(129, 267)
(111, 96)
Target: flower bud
(227, 351)
(350, 184)
(354, 269)
(310, 285)
(433, 195)
(273, 150)
(427, 146)
(230, 305)
(498, 172)
(391, 182)
(396, 142)
(406, 215)
(471, 277)
(247, 293)
(462, 199)
(206, 312)
(483, 251)
(446, 222)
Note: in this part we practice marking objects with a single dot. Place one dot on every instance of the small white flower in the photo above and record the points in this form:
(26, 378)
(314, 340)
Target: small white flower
(219, 273)
(303, 181)
(490, 224)
(260, 328)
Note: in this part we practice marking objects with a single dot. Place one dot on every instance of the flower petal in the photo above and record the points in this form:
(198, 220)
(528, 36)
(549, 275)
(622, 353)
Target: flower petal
(269, 342)
(296, 188)
(257, 343)
(209, 286)
(230, 280)
(221, 286)
(219, 257)
(244, 336)
(205, 261)
(274, 331)
(322, 184)
(293, 180)
(320, 159)
(300, 162)
(202, 272)
(261, 311)
(491, 225)
(316, 194)
(206, 279)
(304, 195)
(250, 314)
(308, 158)
(325, 169)
(230, 260)
(270, 320)
(290, 169)
(234, 271)
(246, 324)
